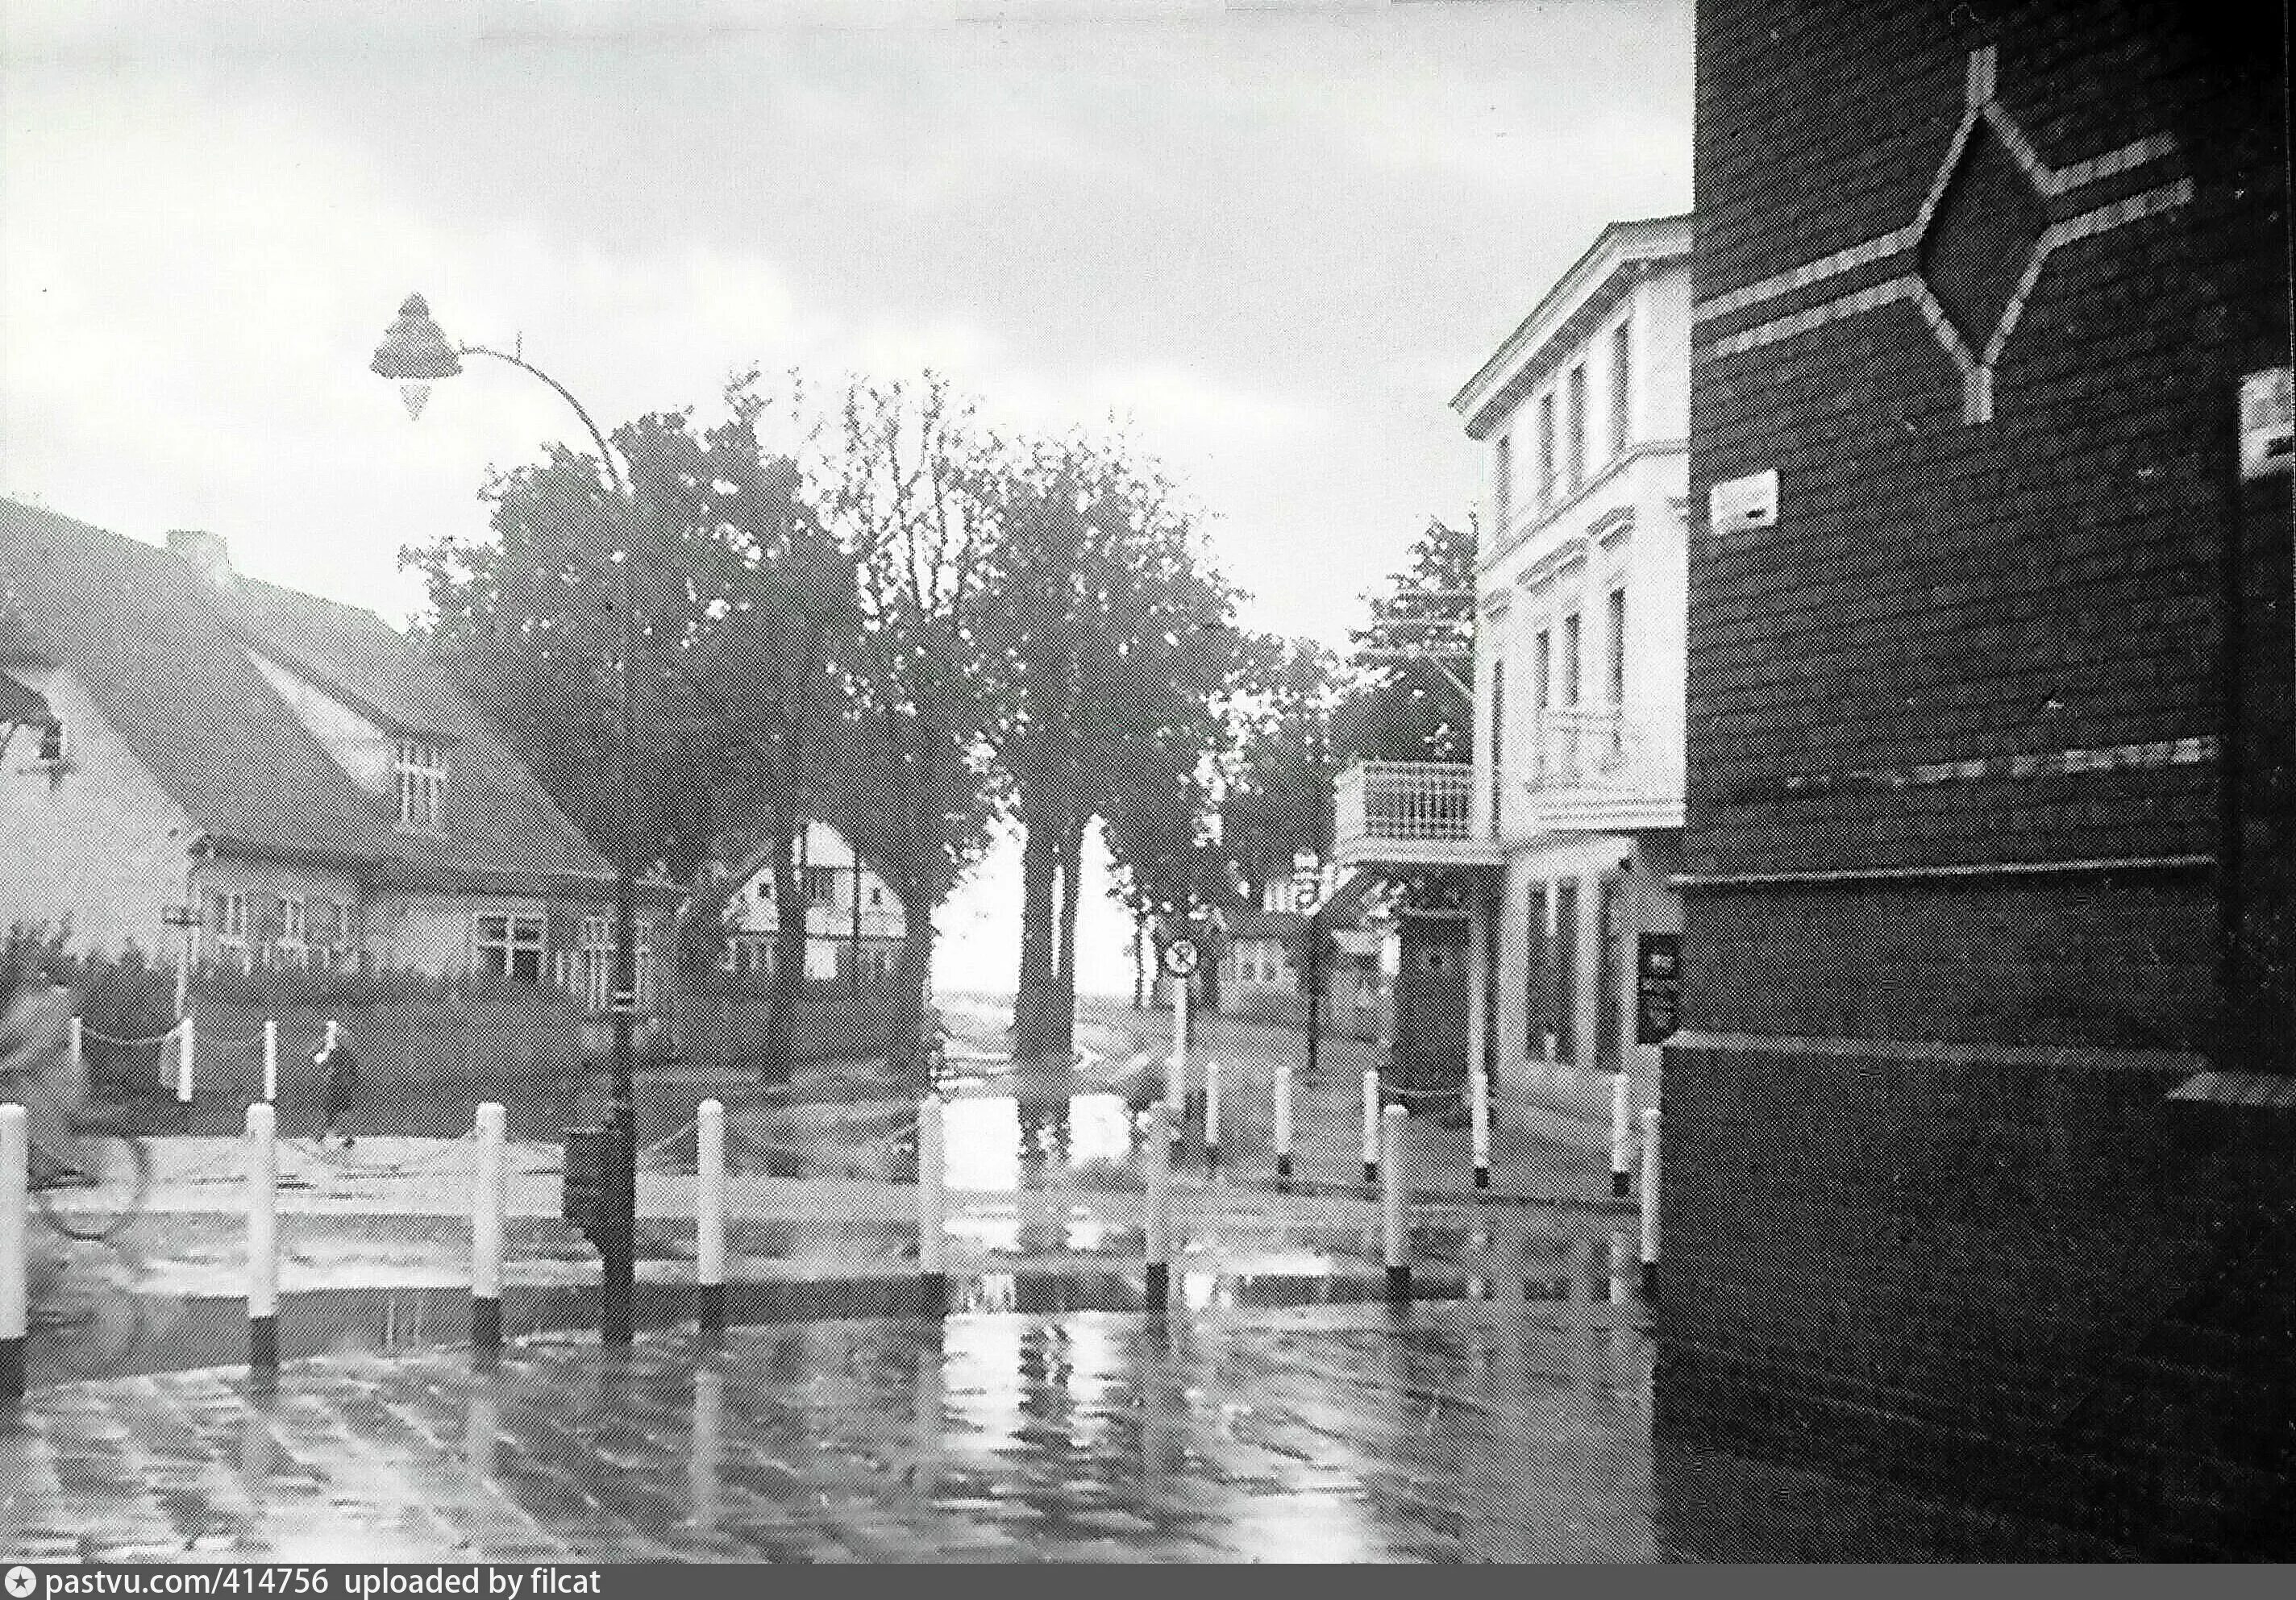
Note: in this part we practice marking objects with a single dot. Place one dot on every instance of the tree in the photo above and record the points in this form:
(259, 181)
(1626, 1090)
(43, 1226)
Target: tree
(742, 607)
(1410, 705)
(1114, 650)
(899, 471)
(1278, 801)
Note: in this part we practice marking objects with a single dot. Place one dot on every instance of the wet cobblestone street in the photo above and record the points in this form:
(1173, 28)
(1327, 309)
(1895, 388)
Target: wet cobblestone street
(1445, 1433)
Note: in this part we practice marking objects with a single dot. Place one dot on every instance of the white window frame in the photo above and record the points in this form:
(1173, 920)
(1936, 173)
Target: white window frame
(231, 927)
(421, 784)
(597, 964)
(1622, 386)
(524, 933)
(292, 948)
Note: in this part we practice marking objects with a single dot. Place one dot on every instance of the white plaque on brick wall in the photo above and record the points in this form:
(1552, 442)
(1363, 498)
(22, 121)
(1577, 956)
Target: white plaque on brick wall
(2267, 422)
(1741, 503)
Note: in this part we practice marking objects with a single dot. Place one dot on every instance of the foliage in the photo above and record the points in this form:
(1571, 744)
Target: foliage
(1114, 647)
(1407, 710)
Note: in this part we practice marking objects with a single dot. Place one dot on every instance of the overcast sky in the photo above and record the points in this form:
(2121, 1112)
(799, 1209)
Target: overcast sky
(1277, 237)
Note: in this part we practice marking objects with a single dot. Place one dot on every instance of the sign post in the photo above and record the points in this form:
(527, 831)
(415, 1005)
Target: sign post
(1180, 962)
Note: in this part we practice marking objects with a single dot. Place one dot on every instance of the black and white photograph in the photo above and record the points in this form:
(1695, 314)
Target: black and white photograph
(1228, 782)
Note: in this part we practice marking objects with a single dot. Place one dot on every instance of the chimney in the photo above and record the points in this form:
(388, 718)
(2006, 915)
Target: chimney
(204, 552)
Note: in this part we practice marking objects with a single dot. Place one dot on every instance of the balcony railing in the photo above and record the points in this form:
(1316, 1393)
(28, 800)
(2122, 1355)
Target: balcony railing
(1604, 766)
(1408, 811)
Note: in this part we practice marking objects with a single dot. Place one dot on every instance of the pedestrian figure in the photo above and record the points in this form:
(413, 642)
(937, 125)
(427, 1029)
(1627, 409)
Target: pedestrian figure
(343, 1086)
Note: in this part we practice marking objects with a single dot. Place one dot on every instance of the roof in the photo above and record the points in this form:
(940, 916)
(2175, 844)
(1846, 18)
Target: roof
(21, 705)
(1621, 251)
(165, 653)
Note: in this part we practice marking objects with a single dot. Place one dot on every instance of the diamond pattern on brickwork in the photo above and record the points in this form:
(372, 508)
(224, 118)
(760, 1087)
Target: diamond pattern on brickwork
(1986, 226)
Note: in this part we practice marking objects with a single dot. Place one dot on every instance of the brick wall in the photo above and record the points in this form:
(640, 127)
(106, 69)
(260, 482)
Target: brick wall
(1954, 839)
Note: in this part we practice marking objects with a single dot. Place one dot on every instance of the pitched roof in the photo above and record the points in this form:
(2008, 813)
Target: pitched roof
(165, 653)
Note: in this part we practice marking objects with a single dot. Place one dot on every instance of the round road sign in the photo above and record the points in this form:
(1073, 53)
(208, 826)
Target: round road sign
(1180, 957)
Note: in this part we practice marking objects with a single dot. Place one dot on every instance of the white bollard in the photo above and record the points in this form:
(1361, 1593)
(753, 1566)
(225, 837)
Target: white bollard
(709, 1217)
(262, 1239)
(1622, 1135)
(1283, 1121)
(76, 1053)
(1650, 1204)
(1622, 1269)
(270, 1062)
(1158, 1218)
(932, 1206)
(1211, 1115)
(15, 1155)
(1371, 1125)
(1479, 1112)
(488, 1196)
(1391, 1201)
(184, 1048)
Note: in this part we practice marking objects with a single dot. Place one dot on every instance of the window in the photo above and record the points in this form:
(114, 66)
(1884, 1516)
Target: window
(642, 957)
(330, 935)
(1542, 695)
(1540, 972)
(1622, 393)
(1502, 485)
(1566, 972)
(291, 948)
(422, 785)
(510, 947)
(1570, 659)
(597, 985)
(227, 914)
(820, 885)
(1547, 464)
(1498, 738)
(1615, 625)
(52, 742)
(1577, 425)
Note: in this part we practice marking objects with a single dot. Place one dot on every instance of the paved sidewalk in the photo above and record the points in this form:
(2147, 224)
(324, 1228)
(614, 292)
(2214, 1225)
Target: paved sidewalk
(1549, 1140)
(1320, 1435)
(1453, 1434)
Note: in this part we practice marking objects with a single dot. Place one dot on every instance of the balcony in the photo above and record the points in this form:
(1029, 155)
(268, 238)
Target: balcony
(1601, 770)
(1410, 814)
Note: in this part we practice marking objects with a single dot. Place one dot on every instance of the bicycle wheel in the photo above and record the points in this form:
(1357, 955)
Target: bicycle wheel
(101, 1191)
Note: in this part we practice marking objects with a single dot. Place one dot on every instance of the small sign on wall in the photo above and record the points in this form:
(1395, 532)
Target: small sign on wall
(1741, 504)
(2267, 422)
(1658, 987)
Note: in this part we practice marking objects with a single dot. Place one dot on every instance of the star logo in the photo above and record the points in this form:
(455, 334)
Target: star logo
(21, 1581)
(1970, 258)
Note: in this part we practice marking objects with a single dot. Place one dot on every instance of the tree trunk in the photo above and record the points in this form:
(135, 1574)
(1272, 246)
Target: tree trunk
(912, 982)
(1062, 1032)
(1034, 994)
(1139, 963)
(786, 985)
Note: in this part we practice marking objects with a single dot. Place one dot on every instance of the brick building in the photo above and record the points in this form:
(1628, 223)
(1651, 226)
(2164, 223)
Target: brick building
(1978, 1138)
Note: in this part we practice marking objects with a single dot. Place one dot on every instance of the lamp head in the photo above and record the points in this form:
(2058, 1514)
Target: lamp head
(414, 354)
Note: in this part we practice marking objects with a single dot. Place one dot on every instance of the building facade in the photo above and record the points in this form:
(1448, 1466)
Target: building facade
(854, 925)
(213, 769)
(1977, 1131)
(1578, 775)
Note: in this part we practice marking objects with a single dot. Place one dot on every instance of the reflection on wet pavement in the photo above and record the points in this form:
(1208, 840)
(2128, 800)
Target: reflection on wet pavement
(1443, 1433)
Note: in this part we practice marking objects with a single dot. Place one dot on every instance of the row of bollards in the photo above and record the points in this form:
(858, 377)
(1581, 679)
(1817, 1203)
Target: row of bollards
(1384, 1160)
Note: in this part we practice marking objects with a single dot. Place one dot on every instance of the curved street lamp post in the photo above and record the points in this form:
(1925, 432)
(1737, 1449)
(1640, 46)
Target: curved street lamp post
(414, 354)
